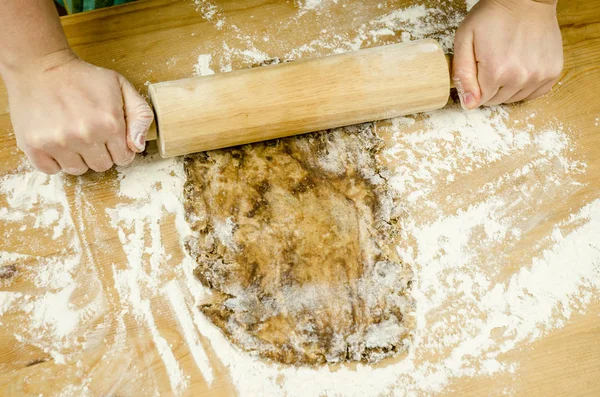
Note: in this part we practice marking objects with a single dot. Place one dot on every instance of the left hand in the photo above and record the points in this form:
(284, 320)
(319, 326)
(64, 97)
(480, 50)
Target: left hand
(507, 51)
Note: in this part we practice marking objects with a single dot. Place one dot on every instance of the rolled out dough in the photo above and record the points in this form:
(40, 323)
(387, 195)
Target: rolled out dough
(296, 239)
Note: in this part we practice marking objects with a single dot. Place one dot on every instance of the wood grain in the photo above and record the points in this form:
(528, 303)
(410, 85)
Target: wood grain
(246, 106)
(159, 40)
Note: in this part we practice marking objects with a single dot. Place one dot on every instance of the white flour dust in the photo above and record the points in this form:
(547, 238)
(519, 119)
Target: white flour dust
(249, 48)
(202, 67)
(47, 318)
(471, 4)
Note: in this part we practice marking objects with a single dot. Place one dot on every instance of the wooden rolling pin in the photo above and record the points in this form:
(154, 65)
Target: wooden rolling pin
(251, 105)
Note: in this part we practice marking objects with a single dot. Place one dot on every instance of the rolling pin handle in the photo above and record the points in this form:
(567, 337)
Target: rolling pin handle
(152, 134)
(449, 58)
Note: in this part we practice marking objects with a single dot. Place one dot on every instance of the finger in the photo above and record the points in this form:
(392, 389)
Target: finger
(544, 89)
(138, 116)
(117, 143)
(464, 70)
(97, 157)
(120, 153)
(42, 161)
(489, 85)
(522, 94)
(503, 95)
(70, 162)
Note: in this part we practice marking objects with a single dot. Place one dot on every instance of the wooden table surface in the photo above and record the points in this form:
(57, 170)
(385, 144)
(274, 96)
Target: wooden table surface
(160, 40)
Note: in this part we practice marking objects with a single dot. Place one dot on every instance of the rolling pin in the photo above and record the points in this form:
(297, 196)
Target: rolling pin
(275, 101)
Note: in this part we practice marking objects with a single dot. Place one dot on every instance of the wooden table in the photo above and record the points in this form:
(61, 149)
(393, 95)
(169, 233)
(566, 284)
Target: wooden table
(159, 40)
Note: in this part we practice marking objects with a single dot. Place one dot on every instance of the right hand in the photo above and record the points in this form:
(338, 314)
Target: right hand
(73, 116)
(506, 51)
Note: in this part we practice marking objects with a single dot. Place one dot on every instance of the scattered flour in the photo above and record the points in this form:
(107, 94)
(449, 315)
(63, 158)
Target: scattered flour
(210, 11)
(154, 186)
(471, 4)
(25, 192)
(208, 8)
(179, 306)
(309, 4)
(202, 67)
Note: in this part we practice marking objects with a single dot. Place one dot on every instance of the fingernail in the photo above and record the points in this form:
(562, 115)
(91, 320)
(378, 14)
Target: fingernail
(468, 101)
(139, 137)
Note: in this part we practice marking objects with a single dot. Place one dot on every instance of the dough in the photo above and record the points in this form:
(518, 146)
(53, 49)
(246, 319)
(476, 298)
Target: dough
(296, 238)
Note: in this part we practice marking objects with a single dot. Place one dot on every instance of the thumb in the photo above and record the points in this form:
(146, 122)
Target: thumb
(138, 116)
(464, 70)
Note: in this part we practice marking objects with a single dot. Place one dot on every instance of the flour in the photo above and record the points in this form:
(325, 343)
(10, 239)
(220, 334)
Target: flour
(202, 67)
(128, 284)
(25, 192)
(180, 308)
(154, 186)
(211, 12)
(6, 300)
(310, 4)
(224, 232)
(471, 4)
(412, 23)
(43, 315)
(207, 8)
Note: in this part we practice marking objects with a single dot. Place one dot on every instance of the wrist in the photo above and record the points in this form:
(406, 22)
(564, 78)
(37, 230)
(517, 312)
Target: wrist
(28, 67)
(513, 5)
(550, 2)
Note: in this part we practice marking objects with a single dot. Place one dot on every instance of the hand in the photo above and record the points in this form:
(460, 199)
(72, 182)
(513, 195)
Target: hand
(507, 51)
(70, 115)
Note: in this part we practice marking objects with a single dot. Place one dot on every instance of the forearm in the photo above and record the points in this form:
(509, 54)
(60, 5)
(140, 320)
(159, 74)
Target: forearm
(512, 3)
(32, 36)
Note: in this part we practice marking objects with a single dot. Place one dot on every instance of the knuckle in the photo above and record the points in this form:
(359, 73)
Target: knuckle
(66, 137)
(82, 136)
(495, 72)
(555, 71)
(111, 124)
(57, 139)
(89, 132)
(509, 72)
(519, 74)
(32, 142)
(537, 76)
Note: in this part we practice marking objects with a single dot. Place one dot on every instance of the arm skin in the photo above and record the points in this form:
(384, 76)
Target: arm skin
(507, 51)
(67, 114)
